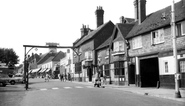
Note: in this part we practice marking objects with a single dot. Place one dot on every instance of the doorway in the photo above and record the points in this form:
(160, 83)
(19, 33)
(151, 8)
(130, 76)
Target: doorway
(132, 74)
(149, 72)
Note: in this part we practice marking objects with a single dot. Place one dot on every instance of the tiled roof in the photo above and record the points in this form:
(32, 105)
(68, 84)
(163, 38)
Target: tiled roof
(124, 28)
(91, 34)
(155, 20)
(105, 44)
(59, 56)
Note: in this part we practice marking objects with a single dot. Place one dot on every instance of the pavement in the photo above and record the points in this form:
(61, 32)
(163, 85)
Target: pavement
(161, 92)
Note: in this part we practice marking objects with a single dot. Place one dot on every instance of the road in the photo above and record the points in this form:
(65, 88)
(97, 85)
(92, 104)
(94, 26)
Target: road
(57, 93)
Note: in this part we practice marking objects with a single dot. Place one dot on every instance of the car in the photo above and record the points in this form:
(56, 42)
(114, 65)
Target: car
(12, 80)
(4, 80)
(18, 78)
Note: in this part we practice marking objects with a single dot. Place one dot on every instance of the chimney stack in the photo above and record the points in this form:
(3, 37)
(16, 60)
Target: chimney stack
(99, 16)
(136, 9)
(84, 30)
(142, 10)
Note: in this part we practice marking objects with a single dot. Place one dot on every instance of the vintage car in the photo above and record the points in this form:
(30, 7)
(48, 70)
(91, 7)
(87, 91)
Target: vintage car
(12, 80)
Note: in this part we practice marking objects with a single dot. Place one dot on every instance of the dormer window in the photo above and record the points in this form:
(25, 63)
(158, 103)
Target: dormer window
(157, 37)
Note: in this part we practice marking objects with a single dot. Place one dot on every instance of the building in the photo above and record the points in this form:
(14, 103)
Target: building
(112, 54)
(150, 43)
(84, 57)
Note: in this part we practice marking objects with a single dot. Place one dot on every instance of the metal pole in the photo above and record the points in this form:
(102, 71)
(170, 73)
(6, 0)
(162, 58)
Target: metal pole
(25, 67)
(177, 92)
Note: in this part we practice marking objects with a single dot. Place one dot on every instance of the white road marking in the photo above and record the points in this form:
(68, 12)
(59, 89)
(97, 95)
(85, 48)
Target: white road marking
(55, 88)
(43, 89)
(67, 87)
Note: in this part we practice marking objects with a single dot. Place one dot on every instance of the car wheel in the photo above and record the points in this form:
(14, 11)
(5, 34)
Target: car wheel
(12, 82)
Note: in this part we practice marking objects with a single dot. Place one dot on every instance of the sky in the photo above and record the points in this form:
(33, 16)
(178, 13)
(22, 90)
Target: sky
(35, 22)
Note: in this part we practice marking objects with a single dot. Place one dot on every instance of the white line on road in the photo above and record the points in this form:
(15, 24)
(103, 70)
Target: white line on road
(43, 89)
(67, 87)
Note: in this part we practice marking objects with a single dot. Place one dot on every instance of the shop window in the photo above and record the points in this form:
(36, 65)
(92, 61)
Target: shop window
(119, 68)
(107, 70)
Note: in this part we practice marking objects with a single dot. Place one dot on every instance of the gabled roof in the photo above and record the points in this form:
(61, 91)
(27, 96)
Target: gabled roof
(156, 20)
(91, 34)
(51, 57)
(121, 27)
(124, 28)
(59, 56)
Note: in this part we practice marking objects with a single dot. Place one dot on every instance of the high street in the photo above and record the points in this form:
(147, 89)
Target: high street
(57, 93)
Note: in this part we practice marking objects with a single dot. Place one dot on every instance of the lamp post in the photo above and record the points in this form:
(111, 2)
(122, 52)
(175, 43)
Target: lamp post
(26, 68)
(177, 92)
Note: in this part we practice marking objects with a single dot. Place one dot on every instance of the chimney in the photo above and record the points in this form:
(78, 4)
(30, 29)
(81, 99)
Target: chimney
(141, 10)
(122, 20)
(136, 10)
(99, 16)
(84, 30)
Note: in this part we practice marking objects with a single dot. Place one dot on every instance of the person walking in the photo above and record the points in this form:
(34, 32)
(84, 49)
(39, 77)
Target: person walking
(47, 77)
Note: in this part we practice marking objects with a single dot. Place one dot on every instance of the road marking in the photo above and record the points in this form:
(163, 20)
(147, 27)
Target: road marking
(55, 88)
(78, 87)
(43, 89)
(67, 87)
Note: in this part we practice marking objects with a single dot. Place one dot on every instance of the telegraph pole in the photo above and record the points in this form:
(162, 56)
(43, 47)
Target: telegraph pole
(177, 75)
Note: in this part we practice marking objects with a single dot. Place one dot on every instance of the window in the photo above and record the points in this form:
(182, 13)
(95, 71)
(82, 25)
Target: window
(180, 29)
(182, 66)
(137, 42)
(119, 68)
(88, 55)
(107, 72)
(166, 67)
(118, 46)
(157, 36)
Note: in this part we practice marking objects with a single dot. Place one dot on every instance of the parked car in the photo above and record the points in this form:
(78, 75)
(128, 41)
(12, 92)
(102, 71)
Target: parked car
(19, 78)
(4, 80)
(13, 80)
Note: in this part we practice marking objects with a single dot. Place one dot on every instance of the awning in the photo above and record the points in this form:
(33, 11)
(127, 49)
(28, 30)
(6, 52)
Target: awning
(29, 71)
(35, 70)
(43, 70)
(47, 70)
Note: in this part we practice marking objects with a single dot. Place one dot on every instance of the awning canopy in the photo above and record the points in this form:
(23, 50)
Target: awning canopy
(29, 71)
(43, 70)
(35, 70)
(47, 70)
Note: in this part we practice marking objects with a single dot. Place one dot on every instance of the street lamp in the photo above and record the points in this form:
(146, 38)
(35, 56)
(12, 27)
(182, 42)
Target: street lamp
(26, 67)
(177, 75)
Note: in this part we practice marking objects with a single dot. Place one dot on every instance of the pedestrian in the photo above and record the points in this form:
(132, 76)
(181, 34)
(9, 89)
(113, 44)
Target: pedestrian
(62, 77)
(59, 76)
(47, 77)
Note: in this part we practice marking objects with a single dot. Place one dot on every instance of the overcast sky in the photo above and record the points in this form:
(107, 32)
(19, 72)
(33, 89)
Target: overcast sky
(35, 22)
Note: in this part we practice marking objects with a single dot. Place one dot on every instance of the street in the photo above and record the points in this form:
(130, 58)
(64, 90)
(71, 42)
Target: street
(57, 93)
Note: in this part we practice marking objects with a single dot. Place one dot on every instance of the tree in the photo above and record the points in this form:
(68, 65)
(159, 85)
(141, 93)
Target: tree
(9, 57)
